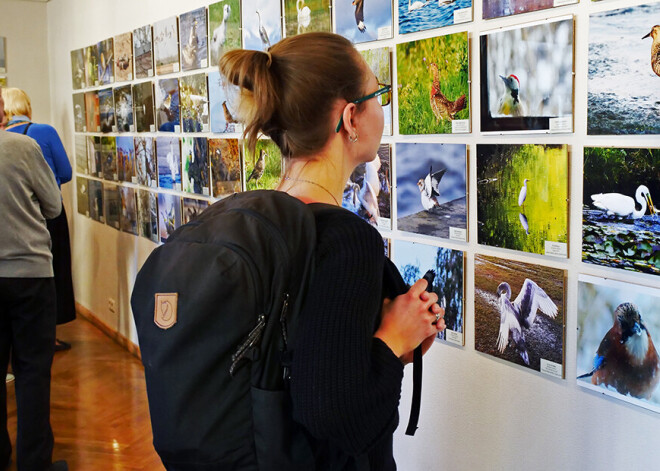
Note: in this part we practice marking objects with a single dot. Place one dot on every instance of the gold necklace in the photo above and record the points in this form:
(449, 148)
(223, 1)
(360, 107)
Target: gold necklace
(300, 180)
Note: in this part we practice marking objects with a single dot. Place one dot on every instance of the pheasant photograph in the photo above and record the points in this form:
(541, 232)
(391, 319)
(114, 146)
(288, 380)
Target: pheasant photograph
(443, 107)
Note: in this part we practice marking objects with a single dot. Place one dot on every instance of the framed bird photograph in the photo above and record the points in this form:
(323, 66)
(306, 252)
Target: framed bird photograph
(421, 15)
(128, 210)
(169, 214)
(111, 205)
(261, 23)
(80, 143)
(225, 158)
(522, 197)
(499, 8)
(92, 118)
(195, 165)
(379, 61)
(617, 326)
(431, 189)
(3, 55)
(94, 156)
(368, 191)
(433, 89)
(147, 202)
(192, 208)
(624, 71)
(414, 260)
(143, 107)
(306, 16)
(167, 102)
(263, 168)
(193, 27)
(109, 158)
(95, 192)
(620, 225)
(77, 68)
(107, 110)
(168, 156)
(143, 52)
(359, 22)
(222, 106)
(91, 65)
(124, 109)
(126, 159)
(79, 123)
(224, 28)
(194, 103)
(82, 196)
(527, 77)
(520, 314)
(123, 57)
(145, 168)
(106, 62)
(166, 46)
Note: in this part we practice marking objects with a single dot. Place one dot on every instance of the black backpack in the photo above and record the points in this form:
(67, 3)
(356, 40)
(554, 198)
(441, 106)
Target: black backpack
(214, 309)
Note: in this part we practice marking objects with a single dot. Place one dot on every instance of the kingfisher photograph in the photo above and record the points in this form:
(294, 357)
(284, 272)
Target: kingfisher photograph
(522, 197)
(263, 168)
(418, 15)
(499, 8)
(224, 28)
(519, 313)
(617, 326)
(143, 52)
(166, 46)
(261, 23)
(414, 260)
(527, 77)
(620, 224)
(379, 61)
(225, 158)
(123, 57)
(431, 183)
(306, 16)
(193, 30)
(360, 23)
(433, 89)
(624, 71)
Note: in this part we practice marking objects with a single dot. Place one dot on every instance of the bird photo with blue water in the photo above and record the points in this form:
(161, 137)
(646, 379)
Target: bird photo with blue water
(128, 210)
(123, 57)
(169, 214)
(306, 16)
(519, 313)
(224, 28)
(168, 156)
(193, 29)
(168, 108)
(379, 61)
(105, 67)
(124, 109)
(263, 169)
(125, 158)
(527, 77)
(433, 88)
(166, 46)
(195, 166)
(618, 324)
(368, 191)
(225, 160)
(499, 8)
(194, 104)
(414, 259)
(362, 21)
(624, 71)
(431, 188)
(261, 23)
(620, 224)
(420, 15)
(522, 197)
(143, 52)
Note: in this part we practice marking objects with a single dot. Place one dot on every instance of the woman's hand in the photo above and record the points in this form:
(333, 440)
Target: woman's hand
(410, 320)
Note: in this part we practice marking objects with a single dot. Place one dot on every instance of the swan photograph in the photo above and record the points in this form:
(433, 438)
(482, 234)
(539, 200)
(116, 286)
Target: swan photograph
(261, 23)
(305, 16)
(362, 21)
(143, 52)
(225, 159)
(620, 224)
(224, 28)
(168, 157)
(193, 29)
(420, 15)
(519, 313)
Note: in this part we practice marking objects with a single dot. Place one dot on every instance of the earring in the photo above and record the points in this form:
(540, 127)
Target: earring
(353, 138)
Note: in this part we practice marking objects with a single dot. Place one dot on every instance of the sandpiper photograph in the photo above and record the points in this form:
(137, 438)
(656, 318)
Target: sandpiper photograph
(169, 214)
(360, 23)
(418, 15)
(431, 188)
(123, 57)
(225, 159)
(617, 326)
(379, 61)
(306, 16)
(263, 167)
(166, 46)
(125, 158)
(143, 52)
(261, 23)
(193, 28)
(224, 28)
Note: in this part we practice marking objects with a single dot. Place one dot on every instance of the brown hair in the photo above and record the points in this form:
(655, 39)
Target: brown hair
(16, 103)
(287, 92)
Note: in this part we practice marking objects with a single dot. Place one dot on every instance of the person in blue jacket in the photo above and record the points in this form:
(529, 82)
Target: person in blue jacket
(18, 111)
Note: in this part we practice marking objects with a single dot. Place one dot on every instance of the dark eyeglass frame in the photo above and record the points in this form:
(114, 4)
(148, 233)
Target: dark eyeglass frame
(377, 93)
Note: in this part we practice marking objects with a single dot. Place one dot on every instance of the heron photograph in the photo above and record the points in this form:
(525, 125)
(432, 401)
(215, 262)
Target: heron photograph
(95, 191)
(128, 210)
(620, 224)
(193, 29)
(499, 8)
(105, 66)
(368, 191)
(414, 260)
(166, 46)
(92, 113)
(77, 66)
(522, 197)
(624, 71)
(147, 214)
(225, 158)
(82, 196)
(111, 204)
(125, 158)
(433, 90)
(169, 214)
(519, 313)
(79, 112)
(168, 156)
(143, 52)
(80, 144)
(362, 21)
(194, 103)
(617, 325)
(109, 158)
(143, 107)
(123, 57)
(192, 208)
(379, 61)
(261, 23)
(527, 77)
(420, 15)
(124, 109)
(306, 16)
(431, 188)
(224, 28)
(195, 165)
(263, 168)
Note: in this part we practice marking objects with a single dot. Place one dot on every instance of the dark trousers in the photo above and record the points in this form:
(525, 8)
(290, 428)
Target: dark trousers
(27, 330)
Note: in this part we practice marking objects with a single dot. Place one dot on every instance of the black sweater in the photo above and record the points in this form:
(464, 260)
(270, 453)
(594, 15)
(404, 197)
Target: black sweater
(345, 384)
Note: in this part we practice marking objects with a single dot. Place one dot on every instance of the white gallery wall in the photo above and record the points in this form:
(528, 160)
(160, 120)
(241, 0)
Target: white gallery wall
(478, 412)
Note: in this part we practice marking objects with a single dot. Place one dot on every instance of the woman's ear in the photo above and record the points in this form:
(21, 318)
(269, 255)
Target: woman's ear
(349, 112)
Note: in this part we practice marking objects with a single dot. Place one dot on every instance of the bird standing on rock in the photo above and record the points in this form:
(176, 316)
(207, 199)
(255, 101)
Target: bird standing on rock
(428, 188)
(510, 103)
(443, 107)
(655, 49)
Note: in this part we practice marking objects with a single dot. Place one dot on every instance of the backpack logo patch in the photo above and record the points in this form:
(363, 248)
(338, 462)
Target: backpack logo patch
(165, 309)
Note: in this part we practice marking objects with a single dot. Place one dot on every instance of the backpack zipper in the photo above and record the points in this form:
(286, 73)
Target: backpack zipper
(253, 338)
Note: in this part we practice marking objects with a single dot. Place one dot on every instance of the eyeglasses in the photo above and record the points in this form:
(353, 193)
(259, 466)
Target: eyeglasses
(384, 95)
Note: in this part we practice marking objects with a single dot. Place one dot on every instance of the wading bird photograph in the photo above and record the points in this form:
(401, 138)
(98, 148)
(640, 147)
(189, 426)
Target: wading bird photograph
(261, 23)
(499, 8)
(263, 168)
(166, 46)
(420, 15)
(143, 52)
(305, 16)
(364, 20)
(519, 313)
(617, 326)
(193, 29)
(379, 61)
(414, 259)
(522, 197)
(527, 77)
(195, 165)
(225, 159)
(433, 90)
(431, 189)
(620, 224)
(624, 71)
(224, 28)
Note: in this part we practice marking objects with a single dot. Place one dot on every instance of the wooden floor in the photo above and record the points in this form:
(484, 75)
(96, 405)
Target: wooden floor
(99, 410)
